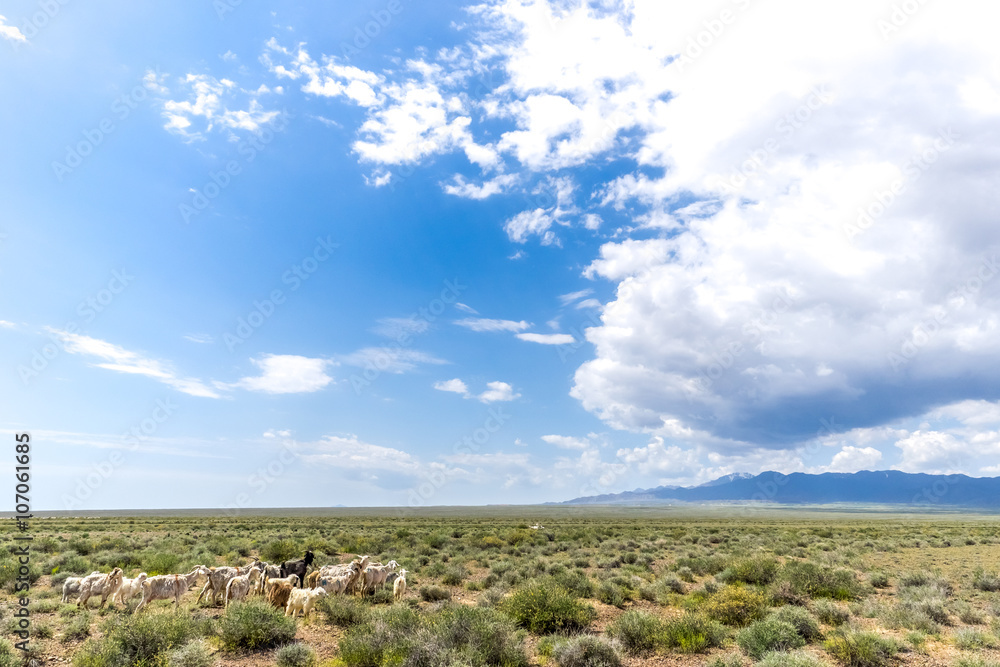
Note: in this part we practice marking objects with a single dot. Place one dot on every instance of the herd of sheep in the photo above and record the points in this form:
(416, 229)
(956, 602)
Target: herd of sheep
(289, 585)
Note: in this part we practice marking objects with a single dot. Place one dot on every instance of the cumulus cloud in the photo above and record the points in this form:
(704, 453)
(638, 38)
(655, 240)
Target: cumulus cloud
(455, 386)
(287, 374)
(11, 33)
(852, 459)
(498, 392)
(207, 107)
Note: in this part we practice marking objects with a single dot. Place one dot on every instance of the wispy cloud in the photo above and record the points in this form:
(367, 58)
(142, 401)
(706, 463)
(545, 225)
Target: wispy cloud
(484, 324)
(547, 339)
(199, 338)
(567, 299)
(398, 327)
(389, 359)
(119, 359)
(11, 33)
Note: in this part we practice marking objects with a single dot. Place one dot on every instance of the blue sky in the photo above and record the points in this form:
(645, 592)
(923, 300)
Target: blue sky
(399, 253)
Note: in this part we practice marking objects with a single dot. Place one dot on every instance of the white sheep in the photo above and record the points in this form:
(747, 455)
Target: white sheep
(105, 585)
(303, 599)
(131, 587)
(71, 586)
(399, 586)
(166, 586)
(239, 587)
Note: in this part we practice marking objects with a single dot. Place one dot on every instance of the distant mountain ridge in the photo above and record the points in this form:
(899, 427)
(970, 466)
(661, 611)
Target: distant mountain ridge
(878, 487)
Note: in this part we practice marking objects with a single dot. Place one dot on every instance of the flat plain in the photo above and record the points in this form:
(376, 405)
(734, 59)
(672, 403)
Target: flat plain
(547, 585)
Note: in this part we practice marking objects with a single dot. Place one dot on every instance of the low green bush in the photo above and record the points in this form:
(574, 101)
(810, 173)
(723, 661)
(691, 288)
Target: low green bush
(254, 624)
(855, 648)
(803, 622)
(768, 635)
(639, 632)
(693, 633)
(295, 655)
(544, 608)
(585, 651)
(736, 605)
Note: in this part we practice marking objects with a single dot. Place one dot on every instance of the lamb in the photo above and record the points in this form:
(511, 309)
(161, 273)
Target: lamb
(106, 585)
(72, 586)
(166, 586)
(277, 591)
(375, 576)
(303, 599)
(239, 587)
(131, 587)
(399, 586)
(297, 567)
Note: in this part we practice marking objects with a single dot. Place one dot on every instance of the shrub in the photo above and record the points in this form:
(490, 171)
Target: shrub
(736, 605)
(830, 613)
(254, 624)
(861, 649)
(193, 654)
(343, 611)
(7, 655)
(585, 651)
(914, 579)
(972, 638)
(758, 570)
(143, 639)
(985, 581)
(434, 594)
(803, 622)
(576, 582)
(638, 631)
(613, 594)
(544, 608)
(279, 551)
(975, 661)
(78, 627)
(295, 655)
(456, 635)
(160, 563)
(969, 614)
(693, 633)
(454, 575)
(768, 635)
(728, 660)
(815, 580)
(789, 659)
(879, 579)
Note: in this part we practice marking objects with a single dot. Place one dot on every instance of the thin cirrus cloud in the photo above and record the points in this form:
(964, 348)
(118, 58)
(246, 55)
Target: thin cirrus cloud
(118, 359)
(389, 359)
(486, 324)
(547, 339)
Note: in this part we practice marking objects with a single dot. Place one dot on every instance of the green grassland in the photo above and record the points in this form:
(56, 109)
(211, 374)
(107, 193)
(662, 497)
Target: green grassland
(552, 585)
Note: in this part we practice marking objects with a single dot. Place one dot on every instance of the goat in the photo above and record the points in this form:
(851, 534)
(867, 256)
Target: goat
(106, 585)
(399, 586)
(217, 580)
(131, 587)
(269, 572)
(303, 599)
(239, 587)
(72, 586)
(277, 591)
(335, 584)
(297, 567)
(166, 586)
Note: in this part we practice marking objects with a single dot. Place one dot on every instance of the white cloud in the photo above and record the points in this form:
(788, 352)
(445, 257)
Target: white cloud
(199, 338)
(853, 459)
(466, 309)
(401, 327)
(390, 359)
(271, 433)
(547, 339)
(11, 33)
(566, 442)
(119, 359)
(498, 392)
(485, 324)
(567, 299)
(287, 374)
(7, 325)
(460, 187)
(526, 224)
(455, 385)
(207, 103)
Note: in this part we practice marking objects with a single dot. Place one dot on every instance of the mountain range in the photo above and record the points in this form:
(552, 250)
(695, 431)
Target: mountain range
(878, 487)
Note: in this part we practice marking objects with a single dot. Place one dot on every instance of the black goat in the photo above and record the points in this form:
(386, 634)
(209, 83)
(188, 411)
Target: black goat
(298, 567)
